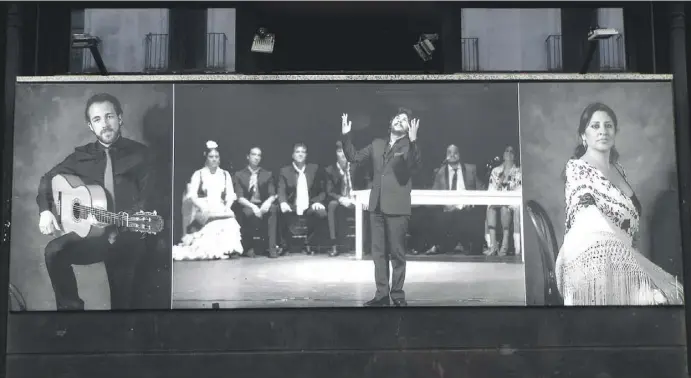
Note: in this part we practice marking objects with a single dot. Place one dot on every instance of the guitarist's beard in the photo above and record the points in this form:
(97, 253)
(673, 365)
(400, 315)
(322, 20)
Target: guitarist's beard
(108, 136)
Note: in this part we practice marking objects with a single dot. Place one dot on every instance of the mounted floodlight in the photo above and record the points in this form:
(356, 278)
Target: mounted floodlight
(263, 41)
(425, 46)
(601, 33)
(594, 37)
(91, 43)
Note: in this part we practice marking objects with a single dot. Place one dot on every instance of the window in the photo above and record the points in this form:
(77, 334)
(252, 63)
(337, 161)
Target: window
(220, 39)
(131, 39)
(612, 51)
(511, 39)
(137, 40)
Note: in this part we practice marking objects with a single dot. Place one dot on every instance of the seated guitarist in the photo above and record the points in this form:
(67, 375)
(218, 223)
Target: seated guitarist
(122, 167)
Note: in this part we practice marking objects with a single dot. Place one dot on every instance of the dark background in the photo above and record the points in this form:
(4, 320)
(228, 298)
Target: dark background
(480, 118)
(49, 124)
(424, 342)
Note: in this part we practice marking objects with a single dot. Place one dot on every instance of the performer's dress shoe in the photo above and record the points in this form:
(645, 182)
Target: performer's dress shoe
(334, 251)
(378, 302)
(400, 303)
(250, 253)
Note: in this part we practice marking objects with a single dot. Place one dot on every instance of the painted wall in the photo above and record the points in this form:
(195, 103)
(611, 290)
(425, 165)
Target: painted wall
(122, 32)
(511, 39)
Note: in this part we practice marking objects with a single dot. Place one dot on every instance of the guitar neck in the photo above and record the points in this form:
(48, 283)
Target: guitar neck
(102, 216)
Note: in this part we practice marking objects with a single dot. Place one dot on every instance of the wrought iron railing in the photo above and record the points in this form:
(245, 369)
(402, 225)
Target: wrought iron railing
(470, 57)
(155, 52)
(216, 46)
(156, 55)
(554, 54)
(612, 57)
(81, 61)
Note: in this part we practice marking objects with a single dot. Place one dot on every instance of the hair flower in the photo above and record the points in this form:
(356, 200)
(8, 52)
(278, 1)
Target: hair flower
(210, 145)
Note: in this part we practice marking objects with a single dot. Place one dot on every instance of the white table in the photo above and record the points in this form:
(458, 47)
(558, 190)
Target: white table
(441, 198)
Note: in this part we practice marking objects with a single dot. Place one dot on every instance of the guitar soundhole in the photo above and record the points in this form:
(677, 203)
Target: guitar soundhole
(75, 210)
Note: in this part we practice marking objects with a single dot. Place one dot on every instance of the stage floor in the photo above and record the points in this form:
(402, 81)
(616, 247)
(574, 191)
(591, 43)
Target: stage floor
(320, 281)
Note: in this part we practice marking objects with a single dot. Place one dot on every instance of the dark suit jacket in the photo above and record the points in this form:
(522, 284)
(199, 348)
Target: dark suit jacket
(265, 183)
(335, 182)
(287, 184)
(391, 173)
(469, 172)
(132, 166)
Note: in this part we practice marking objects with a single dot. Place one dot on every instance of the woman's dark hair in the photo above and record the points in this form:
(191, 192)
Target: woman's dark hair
(516, 155)
(208, 150)
(586, 116)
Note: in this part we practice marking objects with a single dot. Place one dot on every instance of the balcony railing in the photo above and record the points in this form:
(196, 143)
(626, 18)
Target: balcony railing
(155, 52)
(216, 46)
(612, 57)
(554, 55)
(81, 61)
(611, 52)
(469, 51)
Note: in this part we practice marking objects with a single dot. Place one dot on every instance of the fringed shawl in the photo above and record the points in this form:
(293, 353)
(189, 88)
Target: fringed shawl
(598, 263)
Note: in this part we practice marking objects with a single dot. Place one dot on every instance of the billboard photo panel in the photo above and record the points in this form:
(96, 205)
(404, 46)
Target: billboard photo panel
(383, 199)
(92, 164)
(344, 191)
(600, 166)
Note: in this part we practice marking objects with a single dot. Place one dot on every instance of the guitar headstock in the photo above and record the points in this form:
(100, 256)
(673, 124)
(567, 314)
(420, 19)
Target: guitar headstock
(145, 222)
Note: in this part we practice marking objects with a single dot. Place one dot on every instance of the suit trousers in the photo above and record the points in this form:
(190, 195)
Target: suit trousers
(456, 226)
(389, 246)
(266, 226)
(121, 260)
(312, 220)
(337, 214)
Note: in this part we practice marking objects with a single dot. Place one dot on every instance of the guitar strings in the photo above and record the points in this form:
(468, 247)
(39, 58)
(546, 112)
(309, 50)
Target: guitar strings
(100, 214)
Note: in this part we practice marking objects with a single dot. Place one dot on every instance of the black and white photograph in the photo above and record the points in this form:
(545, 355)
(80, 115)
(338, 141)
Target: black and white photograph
(600, 171)
(92, 190)
(347, 195)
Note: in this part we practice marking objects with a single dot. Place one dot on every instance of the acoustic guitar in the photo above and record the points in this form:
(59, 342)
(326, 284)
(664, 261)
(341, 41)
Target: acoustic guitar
(82, 209)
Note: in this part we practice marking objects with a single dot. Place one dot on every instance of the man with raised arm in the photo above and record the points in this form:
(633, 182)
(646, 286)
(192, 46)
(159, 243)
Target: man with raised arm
(394, 162)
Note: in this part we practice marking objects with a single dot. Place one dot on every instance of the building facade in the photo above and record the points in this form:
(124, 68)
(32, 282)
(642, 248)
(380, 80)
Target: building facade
(320, 37)
(492, 40)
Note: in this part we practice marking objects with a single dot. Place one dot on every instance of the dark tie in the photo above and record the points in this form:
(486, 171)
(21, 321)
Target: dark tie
(454, 179)
(108, 177)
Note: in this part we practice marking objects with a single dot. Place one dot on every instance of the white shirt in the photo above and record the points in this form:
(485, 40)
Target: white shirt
(460, 183)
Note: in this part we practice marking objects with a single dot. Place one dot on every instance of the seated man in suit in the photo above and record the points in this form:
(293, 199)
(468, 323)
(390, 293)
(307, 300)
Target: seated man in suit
(256, 192)
(456, 225)
(301, 194)
(339, 187)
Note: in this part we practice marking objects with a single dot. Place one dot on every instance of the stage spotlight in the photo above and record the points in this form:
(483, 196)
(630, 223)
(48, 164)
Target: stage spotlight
(425, 46)
(602, 33)
(263, 41)
(87, 41)
(596, 35)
